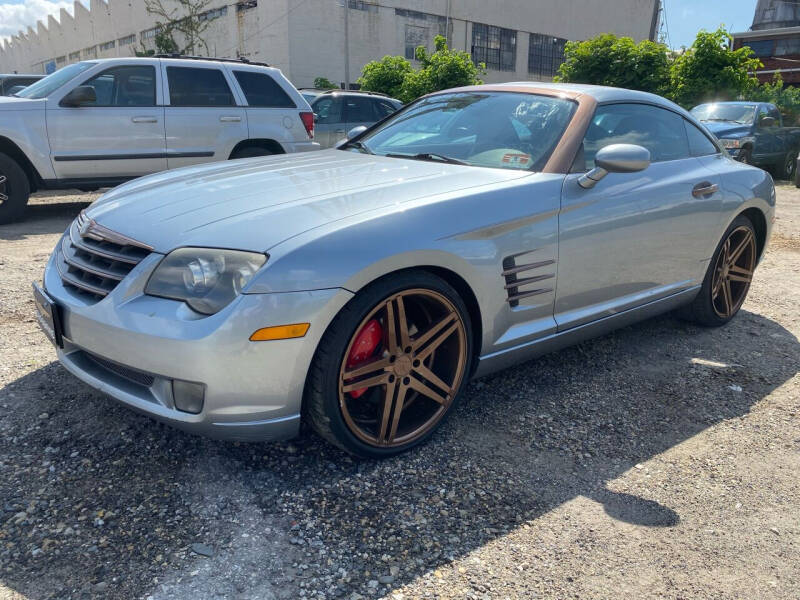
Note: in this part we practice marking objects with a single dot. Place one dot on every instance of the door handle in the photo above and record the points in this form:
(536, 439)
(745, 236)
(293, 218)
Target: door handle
(144, 119)
(230, 119)
(704, 189)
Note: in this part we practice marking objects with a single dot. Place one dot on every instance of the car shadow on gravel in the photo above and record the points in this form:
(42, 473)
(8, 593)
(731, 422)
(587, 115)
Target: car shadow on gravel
(101, 502)
(42, 219)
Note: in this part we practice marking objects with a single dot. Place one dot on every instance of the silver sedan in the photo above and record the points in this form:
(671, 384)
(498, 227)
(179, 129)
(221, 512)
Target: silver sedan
(359, 288)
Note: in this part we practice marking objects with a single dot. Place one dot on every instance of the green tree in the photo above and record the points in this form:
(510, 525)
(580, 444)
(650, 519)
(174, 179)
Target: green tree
(385, 76)
(323, 83)
(787, 99)
(710, 70)
(190, 18)
(443, 69)
(616, 61)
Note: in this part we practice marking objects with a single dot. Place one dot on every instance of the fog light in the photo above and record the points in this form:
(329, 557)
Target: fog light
(188, 396)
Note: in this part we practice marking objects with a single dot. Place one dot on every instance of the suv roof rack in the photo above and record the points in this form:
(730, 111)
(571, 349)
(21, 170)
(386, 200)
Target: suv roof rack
(242, 60)
(356, 92)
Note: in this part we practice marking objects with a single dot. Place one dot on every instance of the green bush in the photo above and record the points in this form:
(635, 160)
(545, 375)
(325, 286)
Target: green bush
(323, 83)
(443, 69)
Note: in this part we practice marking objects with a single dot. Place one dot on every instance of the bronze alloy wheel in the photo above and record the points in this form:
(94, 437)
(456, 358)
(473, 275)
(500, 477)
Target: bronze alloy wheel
(733, 272)
(402, 368)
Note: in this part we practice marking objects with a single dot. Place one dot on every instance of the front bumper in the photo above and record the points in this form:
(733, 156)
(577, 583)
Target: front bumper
(131, 346)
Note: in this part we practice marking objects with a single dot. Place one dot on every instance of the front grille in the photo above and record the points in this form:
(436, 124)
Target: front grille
(93, 259)
(133, 375)
(519, 276)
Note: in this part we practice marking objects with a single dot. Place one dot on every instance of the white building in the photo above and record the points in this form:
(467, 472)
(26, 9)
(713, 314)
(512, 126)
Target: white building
(517, 39)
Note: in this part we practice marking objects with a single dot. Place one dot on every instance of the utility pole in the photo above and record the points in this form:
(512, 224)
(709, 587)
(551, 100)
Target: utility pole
(346, 47)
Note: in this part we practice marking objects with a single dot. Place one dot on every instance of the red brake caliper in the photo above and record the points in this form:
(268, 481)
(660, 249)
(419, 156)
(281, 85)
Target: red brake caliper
(363, 348)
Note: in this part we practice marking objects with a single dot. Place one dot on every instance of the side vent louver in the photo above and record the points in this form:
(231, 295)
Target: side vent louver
(520, 277)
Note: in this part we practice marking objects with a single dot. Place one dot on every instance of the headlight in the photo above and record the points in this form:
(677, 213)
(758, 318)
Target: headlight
(207, 279)
(737, 143)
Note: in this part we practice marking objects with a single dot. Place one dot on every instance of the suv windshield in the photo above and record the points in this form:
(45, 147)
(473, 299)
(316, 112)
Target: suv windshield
(734, 113)
(504, 130)
(45, 87)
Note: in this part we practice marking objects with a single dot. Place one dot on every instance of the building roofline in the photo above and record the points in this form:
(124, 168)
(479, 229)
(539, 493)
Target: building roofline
(777, 32)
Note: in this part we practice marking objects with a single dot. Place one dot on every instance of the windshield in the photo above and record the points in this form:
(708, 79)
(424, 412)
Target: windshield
(48, 85)
(734, 113)
(502, 130)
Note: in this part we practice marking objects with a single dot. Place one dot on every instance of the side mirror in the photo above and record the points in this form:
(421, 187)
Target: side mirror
(83, 94)
(316, 118)
(616, 158)
(767, 122)
(355, 131)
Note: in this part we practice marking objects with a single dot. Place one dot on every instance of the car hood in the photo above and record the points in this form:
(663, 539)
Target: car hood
(723, 129)
(14, 103)
(257, 203)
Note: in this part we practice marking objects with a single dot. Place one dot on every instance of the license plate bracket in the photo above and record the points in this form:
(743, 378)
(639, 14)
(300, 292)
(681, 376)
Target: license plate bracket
(48, 314)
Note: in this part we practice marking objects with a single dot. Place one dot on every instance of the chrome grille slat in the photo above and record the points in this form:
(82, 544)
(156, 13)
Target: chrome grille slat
(93, 259)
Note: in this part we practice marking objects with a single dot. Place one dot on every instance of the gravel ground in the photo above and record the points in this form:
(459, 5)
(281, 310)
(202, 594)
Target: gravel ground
(661, 461)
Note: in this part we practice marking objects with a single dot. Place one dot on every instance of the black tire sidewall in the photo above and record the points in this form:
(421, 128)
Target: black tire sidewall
(789, 166)
(17, 190)
(251, 152)
(702, 309)
(338, 336)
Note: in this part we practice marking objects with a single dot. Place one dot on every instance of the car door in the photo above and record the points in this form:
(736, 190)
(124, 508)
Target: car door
(121, 134)
(329, 126)
(634, 237)
(204, 119)
(359, 110)
(765, 150)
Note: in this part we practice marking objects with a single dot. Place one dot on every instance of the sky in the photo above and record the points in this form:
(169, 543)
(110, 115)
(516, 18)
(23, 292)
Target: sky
(684, 17)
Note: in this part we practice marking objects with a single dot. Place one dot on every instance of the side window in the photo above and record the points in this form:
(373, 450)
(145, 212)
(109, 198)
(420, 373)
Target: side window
(762, 112)
(384, 108)
(358, 109)
(775, 114)
(125, 86)
(699, 144)
(189, 86)
(659, 130)
(328, 110)
(262, 90)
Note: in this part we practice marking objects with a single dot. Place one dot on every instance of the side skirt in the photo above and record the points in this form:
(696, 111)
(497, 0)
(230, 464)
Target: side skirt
(512, 356)
(88, 182)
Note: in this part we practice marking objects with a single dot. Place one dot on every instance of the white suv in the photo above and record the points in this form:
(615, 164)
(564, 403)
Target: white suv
(98, 123)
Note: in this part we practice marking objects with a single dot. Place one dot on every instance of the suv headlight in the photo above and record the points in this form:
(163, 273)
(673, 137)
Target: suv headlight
(207, 279)
(735, 143)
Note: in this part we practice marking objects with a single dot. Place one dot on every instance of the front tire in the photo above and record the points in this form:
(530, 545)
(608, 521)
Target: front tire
(787, 170)
(14, 190)
(390, 367)
(745, 156)
(728, 277)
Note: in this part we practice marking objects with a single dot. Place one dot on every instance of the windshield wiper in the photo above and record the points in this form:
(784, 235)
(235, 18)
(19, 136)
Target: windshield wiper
(358, 146)
(430, 156)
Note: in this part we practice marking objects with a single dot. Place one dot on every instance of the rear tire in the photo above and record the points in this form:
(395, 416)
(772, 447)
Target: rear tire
(14, 190)
(397, 393)
(251, 152)
(789, 167)
(728, 277)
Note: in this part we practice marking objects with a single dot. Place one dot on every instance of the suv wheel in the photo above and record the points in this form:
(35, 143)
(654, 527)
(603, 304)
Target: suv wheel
(14, 190)
(250, 152)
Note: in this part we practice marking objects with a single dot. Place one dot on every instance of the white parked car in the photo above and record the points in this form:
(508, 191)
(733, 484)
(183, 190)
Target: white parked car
(98, 123)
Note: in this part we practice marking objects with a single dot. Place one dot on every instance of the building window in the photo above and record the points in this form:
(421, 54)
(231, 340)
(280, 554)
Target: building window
(107, 45)
(788, 46)
(761, 47)
(495, 46)
(61, 60)
(90, 52)
(415, 36)
(127, 40)
(75, 55)
(545, 54)
(246, 4)
(362, 5)
(149, 34)
(213, 14)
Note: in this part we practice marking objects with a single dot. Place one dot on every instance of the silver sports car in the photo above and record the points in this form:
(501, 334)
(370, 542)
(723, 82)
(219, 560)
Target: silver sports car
(359, 288)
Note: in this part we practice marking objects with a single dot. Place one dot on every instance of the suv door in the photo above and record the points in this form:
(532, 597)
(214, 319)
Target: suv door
(634, 237)
(329, 126)
(121, 134)
(204, 121)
